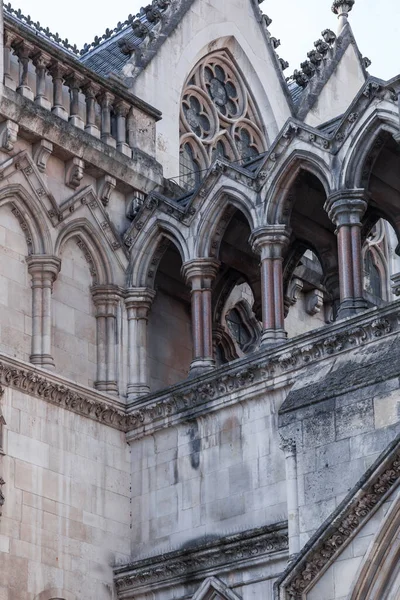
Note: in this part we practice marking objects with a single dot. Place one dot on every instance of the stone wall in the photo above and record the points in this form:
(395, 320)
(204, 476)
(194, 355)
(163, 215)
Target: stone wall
(65, 520)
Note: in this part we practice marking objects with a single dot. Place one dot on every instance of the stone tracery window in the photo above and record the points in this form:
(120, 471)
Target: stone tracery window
(218, 118)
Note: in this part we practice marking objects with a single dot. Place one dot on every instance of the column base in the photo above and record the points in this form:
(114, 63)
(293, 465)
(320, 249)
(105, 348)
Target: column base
(25, 91)
(351, 307)
(93, 130)
(109, 140)
(135, 391)
(108, 387)
(60, 111)
(200, 366)
(43, 102)
(124, 149)
(76, 121)
(46, 361)
(273, 337)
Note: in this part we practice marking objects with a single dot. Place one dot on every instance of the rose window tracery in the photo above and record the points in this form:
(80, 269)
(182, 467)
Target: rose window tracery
(218, 119)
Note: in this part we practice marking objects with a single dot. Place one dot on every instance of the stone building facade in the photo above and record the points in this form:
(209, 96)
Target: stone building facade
(199, 331)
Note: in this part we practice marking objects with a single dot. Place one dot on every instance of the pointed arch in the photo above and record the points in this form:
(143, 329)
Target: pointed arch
(30, 214)
(222, 203)
(379, 575)
(365, 147)
(148, 250)
(278, 201)
(86, 237)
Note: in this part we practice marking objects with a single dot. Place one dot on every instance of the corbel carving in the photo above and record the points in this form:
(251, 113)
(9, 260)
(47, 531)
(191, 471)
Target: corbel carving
(41, 153)
(314, 302)
(106, 185)
(8, 135)
(293, 291)
(134, 204)
(396, 284)
(74, 170)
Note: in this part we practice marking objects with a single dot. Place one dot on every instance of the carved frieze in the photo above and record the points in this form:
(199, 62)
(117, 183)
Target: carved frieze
(259, 543)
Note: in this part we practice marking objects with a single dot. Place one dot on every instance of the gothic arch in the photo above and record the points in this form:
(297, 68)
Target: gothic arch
(278, 198)
(366, 145)
(379, 576)
(209, 231)
(219, 117)
(31, 217)
(86, 238)
(151, 246)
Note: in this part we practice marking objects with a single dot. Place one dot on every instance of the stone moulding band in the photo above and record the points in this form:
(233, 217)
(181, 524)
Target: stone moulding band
(334, 535)
(225, 384)
(207, 391)
(237, 548)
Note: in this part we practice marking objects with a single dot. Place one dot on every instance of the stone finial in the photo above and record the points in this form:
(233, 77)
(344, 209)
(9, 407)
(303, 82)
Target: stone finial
(341, 8)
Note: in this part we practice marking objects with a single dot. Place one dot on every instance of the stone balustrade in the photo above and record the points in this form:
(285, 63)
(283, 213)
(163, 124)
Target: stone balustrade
(56, 81)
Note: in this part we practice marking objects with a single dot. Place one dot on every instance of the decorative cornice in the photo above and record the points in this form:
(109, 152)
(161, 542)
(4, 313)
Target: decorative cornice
(254, 544)
(63, 393)
(337, 532)
(225, 385)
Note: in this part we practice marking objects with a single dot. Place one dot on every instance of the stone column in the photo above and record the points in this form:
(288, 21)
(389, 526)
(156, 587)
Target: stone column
(9, 38)
(91, 90)
(43, 270)
(24, 51)
(138, 302)
(346, 209)
(270, 243)
(41, 62)
(58, 72)
(106, 299)
(289, 448)
(74, 82)
(199, 273)
(106, 99)
(121, 111)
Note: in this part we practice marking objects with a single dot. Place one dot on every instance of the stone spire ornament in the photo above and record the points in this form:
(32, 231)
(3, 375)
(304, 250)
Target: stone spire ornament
(341, 8)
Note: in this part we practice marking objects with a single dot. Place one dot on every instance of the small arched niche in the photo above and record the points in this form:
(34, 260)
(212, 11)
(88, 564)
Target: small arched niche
(15, 285)
(74, 323)
(169, 334)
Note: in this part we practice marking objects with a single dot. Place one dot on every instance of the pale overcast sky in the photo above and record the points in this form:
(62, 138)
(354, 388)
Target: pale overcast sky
(297, 23)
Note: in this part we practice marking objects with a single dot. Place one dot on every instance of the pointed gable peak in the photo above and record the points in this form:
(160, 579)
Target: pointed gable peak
(213, 589)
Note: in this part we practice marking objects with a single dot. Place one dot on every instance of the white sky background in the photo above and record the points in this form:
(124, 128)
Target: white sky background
(297, 23)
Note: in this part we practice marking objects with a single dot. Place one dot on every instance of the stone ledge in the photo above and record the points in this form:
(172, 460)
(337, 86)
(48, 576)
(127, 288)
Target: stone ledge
(61, 392)
(257, 372)
(252, 545)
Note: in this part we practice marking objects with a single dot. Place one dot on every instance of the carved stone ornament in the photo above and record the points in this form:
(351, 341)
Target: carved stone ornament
(105, 186)
(314, 302)
(396, 284)
(346, 522)
(41, 153)
(213, 589)
(8, 135)
(262, 542)
(74, 170)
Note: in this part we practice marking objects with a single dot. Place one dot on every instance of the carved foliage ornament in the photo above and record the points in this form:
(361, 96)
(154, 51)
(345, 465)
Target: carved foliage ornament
(218, 118)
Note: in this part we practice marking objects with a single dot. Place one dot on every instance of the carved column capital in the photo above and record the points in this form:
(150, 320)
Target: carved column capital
(346, 207)
(106, 299)
(138, 302)
(43, 267)
(122, 108)
(200, 272)
(288, 445)
(270, 241)
(342, 7)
